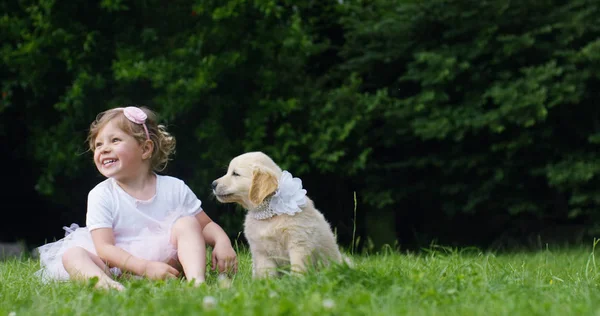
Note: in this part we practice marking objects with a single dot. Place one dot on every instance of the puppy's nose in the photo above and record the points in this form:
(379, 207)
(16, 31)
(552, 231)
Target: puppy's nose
(214, 184)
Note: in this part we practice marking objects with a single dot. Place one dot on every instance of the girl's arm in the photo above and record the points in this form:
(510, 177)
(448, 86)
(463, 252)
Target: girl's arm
(212, 232)
(223, 255)
(104, 241)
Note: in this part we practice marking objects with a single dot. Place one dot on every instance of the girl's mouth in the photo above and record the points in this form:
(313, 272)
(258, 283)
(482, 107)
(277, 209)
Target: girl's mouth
(108, 162)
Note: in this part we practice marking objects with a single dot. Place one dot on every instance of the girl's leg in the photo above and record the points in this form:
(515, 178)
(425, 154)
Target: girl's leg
(186, 235)
(82, 265)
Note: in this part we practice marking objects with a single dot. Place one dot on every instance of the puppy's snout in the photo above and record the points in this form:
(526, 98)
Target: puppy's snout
(214, 184)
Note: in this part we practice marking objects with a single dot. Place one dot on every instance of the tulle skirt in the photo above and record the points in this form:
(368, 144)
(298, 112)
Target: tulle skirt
(152, 245)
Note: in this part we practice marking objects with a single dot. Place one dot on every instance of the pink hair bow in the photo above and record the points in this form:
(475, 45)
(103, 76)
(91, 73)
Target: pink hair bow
(137, 116)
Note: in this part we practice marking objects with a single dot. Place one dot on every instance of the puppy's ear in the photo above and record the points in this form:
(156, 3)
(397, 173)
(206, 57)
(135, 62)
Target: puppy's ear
(263, 184)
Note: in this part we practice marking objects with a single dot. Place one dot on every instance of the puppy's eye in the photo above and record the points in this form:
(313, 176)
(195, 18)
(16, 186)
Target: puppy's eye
(235, 174)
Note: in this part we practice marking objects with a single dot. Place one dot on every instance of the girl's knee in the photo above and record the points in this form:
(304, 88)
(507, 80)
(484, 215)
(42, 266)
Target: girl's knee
(73, 254)
(186, 223)
(184, 226)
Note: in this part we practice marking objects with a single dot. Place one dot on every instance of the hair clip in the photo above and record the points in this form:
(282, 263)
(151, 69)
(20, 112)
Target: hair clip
(137, 116)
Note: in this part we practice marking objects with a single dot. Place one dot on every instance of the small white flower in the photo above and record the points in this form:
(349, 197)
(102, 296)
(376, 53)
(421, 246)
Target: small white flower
(290, 195)
(328, 304)
(209, 302)
(12, 314)
(273, 294)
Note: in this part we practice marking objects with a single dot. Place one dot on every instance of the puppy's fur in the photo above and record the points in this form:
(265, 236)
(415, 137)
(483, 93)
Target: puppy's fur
(301, 240)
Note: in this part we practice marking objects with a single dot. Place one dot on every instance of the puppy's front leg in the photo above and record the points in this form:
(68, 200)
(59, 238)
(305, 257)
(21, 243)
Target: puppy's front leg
(299, 258)
(263, 266)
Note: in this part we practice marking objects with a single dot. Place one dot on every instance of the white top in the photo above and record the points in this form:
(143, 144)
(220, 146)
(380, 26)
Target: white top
(109, 206)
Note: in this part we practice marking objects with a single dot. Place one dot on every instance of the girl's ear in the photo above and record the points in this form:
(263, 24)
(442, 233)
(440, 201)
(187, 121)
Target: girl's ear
(147, 149)
(263, 185)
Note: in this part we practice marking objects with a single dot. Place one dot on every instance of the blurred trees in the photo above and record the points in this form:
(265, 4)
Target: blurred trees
(450, 120)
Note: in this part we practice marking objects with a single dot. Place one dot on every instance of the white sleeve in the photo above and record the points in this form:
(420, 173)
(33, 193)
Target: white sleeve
(99, 210)
(189, 202)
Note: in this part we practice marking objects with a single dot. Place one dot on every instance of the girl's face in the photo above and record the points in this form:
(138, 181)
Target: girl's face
(118, 155)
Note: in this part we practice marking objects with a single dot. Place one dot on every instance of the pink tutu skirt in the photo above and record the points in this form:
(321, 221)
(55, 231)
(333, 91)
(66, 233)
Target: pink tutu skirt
(151, 245)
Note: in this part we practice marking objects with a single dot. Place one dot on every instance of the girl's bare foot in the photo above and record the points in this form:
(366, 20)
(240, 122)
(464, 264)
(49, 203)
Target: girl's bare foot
(108, 284)
(197, 282)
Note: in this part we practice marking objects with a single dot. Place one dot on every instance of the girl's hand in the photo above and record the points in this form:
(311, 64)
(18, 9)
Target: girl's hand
(224, 257)
(157, 270)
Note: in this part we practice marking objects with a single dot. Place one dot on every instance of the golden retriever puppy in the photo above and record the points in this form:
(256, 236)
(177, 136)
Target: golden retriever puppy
(282, 225)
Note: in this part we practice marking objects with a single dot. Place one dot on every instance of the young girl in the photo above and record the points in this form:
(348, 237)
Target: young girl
(137, 221)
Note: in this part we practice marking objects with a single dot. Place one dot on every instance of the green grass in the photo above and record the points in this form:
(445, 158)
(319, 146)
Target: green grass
(439, 281)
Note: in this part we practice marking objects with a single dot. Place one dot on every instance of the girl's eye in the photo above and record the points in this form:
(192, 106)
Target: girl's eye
(235, 174)
(98, 145)
(114, 140)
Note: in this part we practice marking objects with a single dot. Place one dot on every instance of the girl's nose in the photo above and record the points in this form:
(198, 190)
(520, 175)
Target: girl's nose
(104, 148)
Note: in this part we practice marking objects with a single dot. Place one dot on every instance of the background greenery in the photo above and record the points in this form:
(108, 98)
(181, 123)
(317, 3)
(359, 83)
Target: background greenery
(466, 122)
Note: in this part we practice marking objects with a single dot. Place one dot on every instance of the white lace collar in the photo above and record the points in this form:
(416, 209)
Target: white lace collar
(288, 199)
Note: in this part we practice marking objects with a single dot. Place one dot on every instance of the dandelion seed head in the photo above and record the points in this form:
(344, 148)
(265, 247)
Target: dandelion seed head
(223, 281)
(328, 303)
(209, 302)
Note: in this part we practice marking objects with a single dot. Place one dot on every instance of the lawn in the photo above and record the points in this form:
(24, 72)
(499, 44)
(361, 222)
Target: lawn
(437, 281)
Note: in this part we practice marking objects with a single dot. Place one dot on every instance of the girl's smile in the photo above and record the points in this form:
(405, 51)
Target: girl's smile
(108, 162)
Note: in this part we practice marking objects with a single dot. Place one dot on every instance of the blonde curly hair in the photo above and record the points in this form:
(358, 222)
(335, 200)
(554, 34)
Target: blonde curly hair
(164, 143)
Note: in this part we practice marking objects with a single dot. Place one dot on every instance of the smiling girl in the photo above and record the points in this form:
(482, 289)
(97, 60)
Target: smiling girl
(137, 221)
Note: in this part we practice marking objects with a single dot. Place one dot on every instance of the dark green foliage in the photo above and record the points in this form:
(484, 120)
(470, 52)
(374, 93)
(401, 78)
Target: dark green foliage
(431, 111)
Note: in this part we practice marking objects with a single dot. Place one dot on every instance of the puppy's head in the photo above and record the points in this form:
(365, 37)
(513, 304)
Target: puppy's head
(250, 178)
